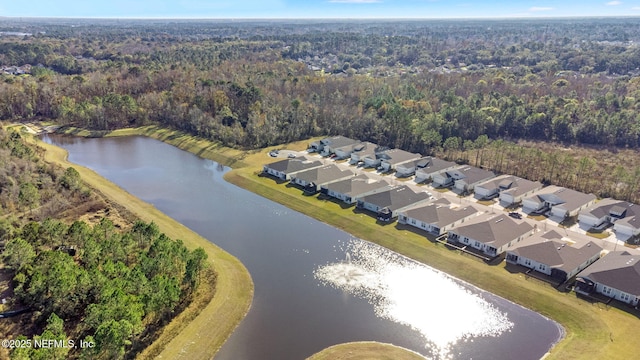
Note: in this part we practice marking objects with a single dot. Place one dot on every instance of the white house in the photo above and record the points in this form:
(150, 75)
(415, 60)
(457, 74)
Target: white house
(433, 167)
(394, 157)
(386, 204)
(491, 234)
(409, 168)
(328, 145)
(560, 256)
(561, 202)
(313, 179)
(517, 190)
(616, 275)
(350, 190)
(467, 177)
(446, 178)
(622, 214)
(284, 169)
(437, 217)
(362, 150)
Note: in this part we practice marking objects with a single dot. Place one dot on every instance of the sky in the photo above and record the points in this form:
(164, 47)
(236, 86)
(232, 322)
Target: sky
(242, 9)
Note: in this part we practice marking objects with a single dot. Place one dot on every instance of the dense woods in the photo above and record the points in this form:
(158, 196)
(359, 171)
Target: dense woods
(111, 285)
(435, 87)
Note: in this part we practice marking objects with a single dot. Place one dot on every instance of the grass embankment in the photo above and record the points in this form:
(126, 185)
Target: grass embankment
(592, 330)
(201, 329)
(365, 351)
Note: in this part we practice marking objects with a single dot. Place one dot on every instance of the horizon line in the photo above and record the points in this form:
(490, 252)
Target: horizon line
(547, 17)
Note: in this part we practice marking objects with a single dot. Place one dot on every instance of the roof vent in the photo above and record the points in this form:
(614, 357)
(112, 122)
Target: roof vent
(559, 247)
(589, 245)
(499, 220)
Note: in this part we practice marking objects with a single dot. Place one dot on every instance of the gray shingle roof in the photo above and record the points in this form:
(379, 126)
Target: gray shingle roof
(435, 165)
(397, 156)
(553, 249)
(321, 175)
(292, 165)
(619, 270)
(606, 207)
(440, 213)
(396, 198)
(494, 230)
(471, 174)
(357, 185)
(522, 186)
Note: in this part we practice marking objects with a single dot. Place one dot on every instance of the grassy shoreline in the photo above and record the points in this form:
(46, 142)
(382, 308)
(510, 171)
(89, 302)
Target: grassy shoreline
(591, 330)
(202, 328)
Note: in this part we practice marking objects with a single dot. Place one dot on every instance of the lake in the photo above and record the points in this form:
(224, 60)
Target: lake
(315, 285)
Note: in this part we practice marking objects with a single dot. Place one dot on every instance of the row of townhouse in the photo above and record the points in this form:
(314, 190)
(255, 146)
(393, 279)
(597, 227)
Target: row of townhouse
(559, 254)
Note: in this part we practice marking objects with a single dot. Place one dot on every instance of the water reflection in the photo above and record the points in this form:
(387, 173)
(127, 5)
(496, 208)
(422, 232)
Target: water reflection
(439, 307)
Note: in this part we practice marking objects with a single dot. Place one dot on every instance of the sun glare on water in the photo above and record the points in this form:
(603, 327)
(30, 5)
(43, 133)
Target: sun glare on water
(430, 302)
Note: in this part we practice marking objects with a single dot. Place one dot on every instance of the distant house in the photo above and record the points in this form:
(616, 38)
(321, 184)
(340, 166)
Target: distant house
(283, 169)
(328, 145)
(517, 190)
(445, 178)
(386, 204)
(362, 150)
(311, 180)
(616, 275)
(495, 187)
(394, 157)
(437, 217)
(556, 255)
(491, 234)
(467, 177)
(375, 159)
(409, 168)
(562, 202)
(433, 166)
(350, 190)
(624, 216)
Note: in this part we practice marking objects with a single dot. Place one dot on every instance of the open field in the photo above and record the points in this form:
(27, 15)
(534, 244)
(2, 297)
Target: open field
(365, 351)
(201, 329)
(593, 330)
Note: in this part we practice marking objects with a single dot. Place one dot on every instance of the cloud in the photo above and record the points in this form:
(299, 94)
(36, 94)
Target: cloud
(355, 1)
(635, 8)
(539, 8)
(614, 3)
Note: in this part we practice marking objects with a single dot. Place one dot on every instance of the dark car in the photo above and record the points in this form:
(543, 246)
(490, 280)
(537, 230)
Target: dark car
(515, 215)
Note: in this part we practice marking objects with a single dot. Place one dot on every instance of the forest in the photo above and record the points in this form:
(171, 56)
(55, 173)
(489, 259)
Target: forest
(109, 284)
(441, 87)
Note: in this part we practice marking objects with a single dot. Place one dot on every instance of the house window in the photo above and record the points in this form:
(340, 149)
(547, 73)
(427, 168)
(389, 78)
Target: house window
(624, 297)
(413, 221)
(542, 267)
(527, 262)
(606, 290)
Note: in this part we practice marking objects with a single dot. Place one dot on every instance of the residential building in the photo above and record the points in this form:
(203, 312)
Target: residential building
(560, 256)
(394, 157)
(350, 190)
(362, 150)
(561, 202)
(491, 234)
(467, 177)
(433, 166)
(515, 191)
(623, 215)
(313, 179)
(615, 275)
(283, 169)
(409, 168)
(437, 217)
(386, 204)
(328, 145)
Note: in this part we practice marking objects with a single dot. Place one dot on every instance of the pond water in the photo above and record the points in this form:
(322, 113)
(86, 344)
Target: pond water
(315, 285)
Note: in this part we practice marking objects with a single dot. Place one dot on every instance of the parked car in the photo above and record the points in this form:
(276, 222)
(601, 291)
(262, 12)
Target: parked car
(515, 215)
(291, 155)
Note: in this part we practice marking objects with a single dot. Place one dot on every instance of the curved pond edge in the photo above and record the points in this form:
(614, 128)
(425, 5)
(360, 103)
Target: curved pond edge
(590, 329)
(363, 350)
(192, 334)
